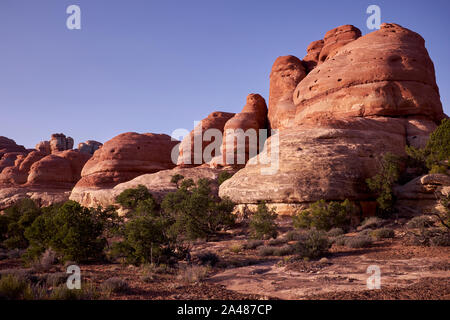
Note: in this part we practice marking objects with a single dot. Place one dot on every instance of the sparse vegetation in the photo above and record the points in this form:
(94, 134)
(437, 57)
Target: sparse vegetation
(72, 231)
(383, 233)
(436, 154)
(325, 216)
(253, 244)
(262, 223)
(223, 176)
(114, 285)
(358, 242)
(315, 244)
(383, 182)
(371, 223)
(208, 258)
(236, 248)
(14, 288)
(195, 212)
(14, 222)
(193, 274)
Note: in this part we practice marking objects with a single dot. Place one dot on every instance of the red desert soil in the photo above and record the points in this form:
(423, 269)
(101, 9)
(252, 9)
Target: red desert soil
(407, 272)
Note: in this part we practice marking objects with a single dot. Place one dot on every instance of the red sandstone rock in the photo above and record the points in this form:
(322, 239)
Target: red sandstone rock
(286, 73)
(59, 142)
(8, 146)
(188, 153)
(44, 147)
(337, 38)
(385, 73)
(89, 146)
(125, 157)
(312, 55)
(60, 169)
(241, 133)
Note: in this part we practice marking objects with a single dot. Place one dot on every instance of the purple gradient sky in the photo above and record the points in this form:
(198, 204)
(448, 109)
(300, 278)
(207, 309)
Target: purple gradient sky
(154, 66)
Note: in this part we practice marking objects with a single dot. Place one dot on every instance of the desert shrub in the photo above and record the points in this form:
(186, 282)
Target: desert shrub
(277, 242)
(283, 251)
(130, 198)
(335, 232)
(315, 244)
(114, 285)
(383, 182)
(253, 244)
(223, 176)
(262, 223)
(383, 233)
(436, 154)
(14, 288)
(56, 279)
(196, 212)
(440, 240)
(193, 274)
(371, 223)
(145, 239)
(325, 216)
(265, 251)
(339, 240)
(236, 248)
(176, 178)
(87, 292)
(294, 235)
(444, 217)
(14, 222)
(208, 258)
(358, 242)
(429, 237)
(72, 231)
(420, 222)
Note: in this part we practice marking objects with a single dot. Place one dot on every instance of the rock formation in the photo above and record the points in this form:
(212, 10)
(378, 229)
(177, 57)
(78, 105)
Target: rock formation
(159, 184)
(45, 174)
(242, 133)
(9, 146)
(367, 96)
(125, 157)
(59, 142)
(89, 146)
(189, 154)
(311, 59)
(336, 39)
(286, 73)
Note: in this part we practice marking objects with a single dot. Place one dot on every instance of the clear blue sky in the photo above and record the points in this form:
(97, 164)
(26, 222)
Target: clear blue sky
(154, 66)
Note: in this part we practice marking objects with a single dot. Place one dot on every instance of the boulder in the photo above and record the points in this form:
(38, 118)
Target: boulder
(60, 169)
(384, 73)
(44, 147)
(286, 73)
(125, 157)
(59, 142)
(89, 146)
(421, 195)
